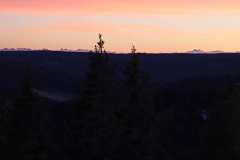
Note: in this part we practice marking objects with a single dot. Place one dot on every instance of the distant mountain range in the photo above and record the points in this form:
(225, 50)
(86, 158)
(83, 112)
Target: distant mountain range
(194, 51)
(78, 50)
(29, 49)
(15, 49)
(199, 51)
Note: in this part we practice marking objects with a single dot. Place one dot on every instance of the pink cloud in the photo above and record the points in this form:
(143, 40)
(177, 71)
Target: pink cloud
(111, 6)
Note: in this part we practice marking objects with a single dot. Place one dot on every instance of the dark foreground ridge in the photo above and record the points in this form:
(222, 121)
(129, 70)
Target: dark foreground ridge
(67, 106)
(54, 70)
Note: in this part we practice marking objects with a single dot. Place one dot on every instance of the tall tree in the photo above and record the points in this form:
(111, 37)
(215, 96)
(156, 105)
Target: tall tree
(92, 111)
(5, 113)
(133, 77)
(137, 81)
(136, 115)
(224, 130)
(20, 124)
(99, 77)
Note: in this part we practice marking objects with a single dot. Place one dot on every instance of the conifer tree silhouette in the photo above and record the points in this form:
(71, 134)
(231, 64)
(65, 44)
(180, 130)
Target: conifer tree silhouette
(94, 102)
(137, 113)
(100, 43)
(23, 141)
(224, 139)
(136, 79)
(133, 77)
(5, 113)
(20, 125)
(97, 77)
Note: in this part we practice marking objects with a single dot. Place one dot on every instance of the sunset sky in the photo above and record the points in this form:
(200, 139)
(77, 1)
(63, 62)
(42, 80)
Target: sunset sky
(152, 25)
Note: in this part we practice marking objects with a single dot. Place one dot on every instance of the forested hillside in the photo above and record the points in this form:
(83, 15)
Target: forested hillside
(57, 105)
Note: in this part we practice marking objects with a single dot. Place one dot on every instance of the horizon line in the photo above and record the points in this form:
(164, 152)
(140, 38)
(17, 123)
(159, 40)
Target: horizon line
(194, 51)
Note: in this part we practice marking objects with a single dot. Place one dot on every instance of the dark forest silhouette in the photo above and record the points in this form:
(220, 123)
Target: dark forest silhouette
(122, 116)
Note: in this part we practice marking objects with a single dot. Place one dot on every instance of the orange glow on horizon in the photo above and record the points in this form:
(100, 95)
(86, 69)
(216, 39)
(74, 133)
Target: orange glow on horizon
(153, 25)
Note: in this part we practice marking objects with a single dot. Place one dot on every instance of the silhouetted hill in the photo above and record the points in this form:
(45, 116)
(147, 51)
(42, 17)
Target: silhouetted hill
(51, 109)
(62, 71)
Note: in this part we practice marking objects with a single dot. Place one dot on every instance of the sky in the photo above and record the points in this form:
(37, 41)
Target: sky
(152, 25)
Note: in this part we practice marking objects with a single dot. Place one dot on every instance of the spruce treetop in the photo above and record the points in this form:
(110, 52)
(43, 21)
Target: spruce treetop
(133, 49)
(100, 43)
